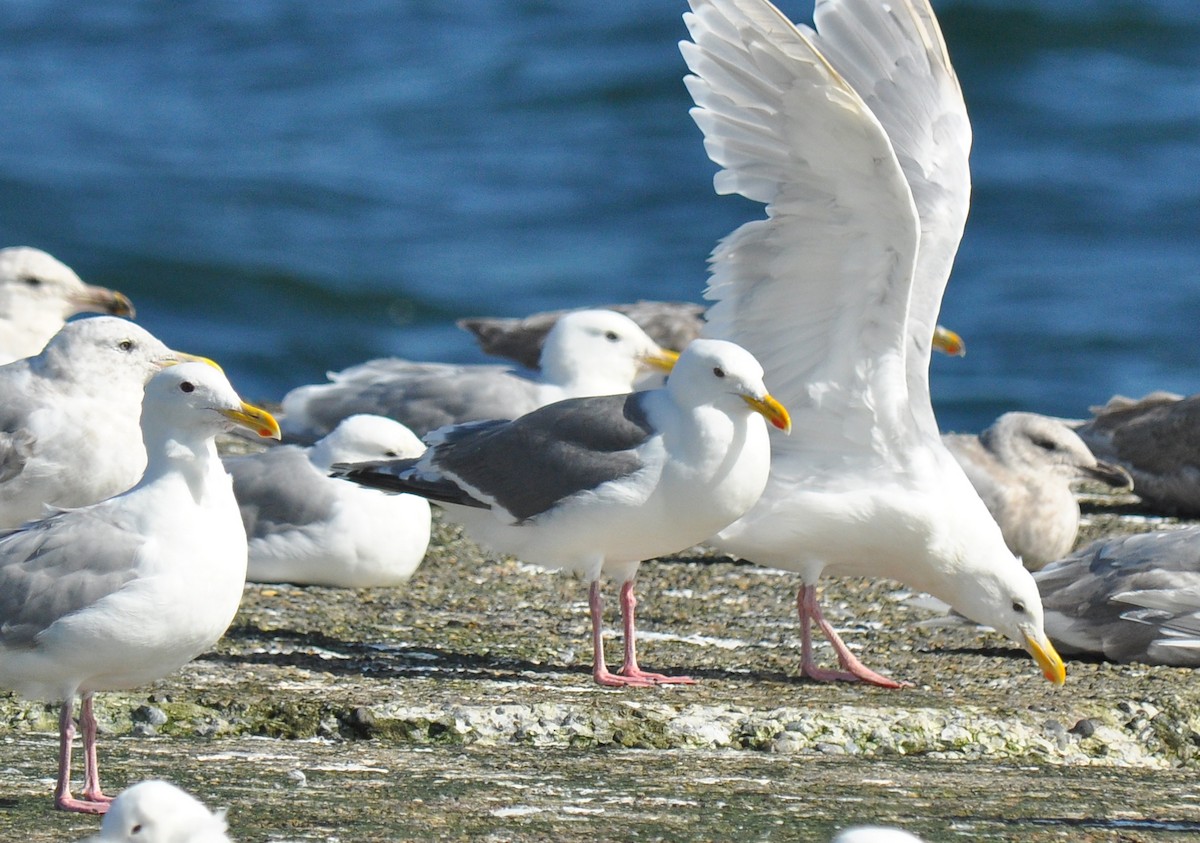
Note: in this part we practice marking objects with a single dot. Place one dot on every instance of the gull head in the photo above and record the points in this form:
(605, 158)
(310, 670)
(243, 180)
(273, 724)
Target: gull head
(362, 438)
(33, 282)
(156, 811)
(1044, 444)
(196, 396)
(600, 352)
(725, 375)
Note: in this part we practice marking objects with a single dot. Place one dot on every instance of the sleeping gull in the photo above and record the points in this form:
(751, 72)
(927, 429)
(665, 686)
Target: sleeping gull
(1157, 438)
(122, 592)
(596, 485)
(69, 432)
(591, 352)
(671, 324)
(856, 139)
(1023, 466)
(1129, 598)
(38, 293)
(156, 811)
(308, 528)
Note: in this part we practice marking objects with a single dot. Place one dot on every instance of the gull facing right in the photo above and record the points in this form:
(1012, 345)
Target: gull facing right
(856, 138)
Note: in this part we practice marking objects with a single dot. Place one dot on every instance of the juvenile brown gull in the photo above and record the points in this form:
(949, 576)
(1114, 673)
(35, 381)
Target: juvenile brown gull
(592, 352)
(69, 433)
(856, 138)
(309, 528)
(1023, 466)
(122, 592)
(38, 293)
(596, 485)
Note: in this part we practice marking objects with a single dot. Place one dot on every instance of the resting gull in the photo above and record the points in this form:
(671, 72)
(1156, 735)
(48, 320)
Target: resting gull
(596, 485)
(122, 592)
(308, 528)
(69, 432)
(591, 352)
(1157, 438)
(875, 834)
(671, 324)
(856, 139)
(1133, 598)
(1023, 466)
(38, 293)
(156, 811)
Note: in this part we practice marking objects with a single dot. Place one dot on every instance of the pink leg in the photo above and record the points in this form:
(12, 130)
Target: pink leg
(62, 791)
(91, 767)
(630, 668)
(599, 666)
(852, 669)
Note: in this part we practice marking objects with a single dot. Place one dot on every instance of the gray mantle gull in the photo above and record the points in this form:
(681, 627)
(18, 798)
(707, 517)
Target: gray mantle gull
(856, 138)
(122, 592)
(69, 432)
(1132, 598)
(38, 293)
(156, 811)
(1023, 466)
(309, 528)
(596, 485)
(592, 352)
(1157, 438)
(671, 324)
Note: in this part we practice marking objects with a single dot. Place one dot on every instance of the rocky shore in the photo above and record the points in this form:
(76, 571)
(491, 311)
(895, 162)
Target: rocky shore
(461, 707)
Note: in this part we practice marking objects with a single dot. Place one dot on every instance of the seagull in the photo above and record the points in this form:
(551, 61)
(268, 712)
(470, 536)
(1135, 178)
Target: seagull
(1133, 598)
(38, 293)
(308, 528)
(875, 834)
(1023, 466)
(122, 592)
(596, 485)
(856, 138)
(69, 432)
(671, 324)
(156, 811)
(1158, 439)
(592, 352)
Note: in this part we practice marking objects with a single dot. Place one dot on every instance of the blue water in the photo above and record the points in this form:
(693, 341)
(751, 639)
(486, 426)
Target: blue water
(291, 187)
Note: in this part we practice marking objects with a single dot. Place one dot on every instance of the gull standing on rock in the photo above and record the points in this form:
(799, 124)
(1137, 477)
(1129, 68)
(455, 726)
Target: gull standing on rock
(1023, 466)
(122, 592)
(308, 528)
(596, 485)
(69, 433)
(38, 293)
(856, 138)
(590, 352)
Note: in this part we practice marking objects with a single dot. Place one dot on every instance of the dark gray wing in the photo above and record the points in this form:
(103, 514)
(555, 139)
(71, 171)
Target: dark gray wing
(527, 466)
(58, 566)
(278, 490)
(671, 324)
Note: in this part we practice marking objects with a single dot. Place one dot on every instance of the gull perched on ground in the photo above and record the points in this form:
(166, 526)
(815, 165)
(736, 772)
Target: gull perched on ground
(1023, 466)
(1158, 439)
(1132, 598)
(38, 293)
(856, 138)
(69, 432)
(156, 811)
(122, 592)
(671, 324)
(875, 834)
(309, 528)
(596, 485)
(590, 352)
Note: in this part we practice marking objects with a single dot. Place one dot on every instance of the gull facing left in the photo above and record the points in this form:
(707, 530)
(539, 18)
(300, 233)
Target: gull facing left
(596, 485)
(122, 592)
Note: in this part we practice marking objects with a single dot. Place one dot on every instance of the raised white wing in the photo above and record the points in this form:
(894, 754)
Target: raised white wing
(893, 54)
(819, 290)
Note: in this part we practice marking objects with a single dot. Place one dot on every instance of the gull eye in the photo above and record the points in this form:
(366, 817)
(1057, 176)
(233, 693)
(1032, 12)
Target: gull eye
(611, 336)
(1044, 444)
(718, 371)
(136, 829)
(32, 281)
(187, 386)
(1018, 607)
(127, 345)
(390, 454)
